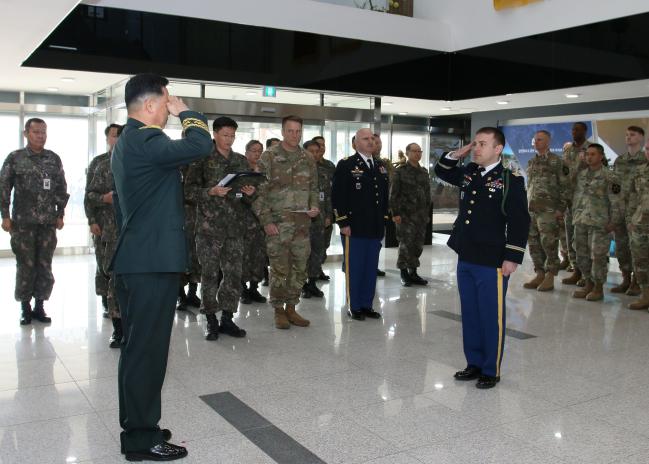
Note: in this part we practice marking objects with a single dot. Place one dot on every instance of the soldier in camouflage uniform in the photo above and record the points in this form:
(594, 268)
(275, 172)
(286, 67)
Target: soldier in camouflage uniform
(99, 193)
(547, 178)
(329, 168)
(192, 277)
(637, 219)
(36, 177)
(378, 146)
(410, 204)
(626, 166)
(285, 206)
(573, 158)
(596, 207)
(220, 228)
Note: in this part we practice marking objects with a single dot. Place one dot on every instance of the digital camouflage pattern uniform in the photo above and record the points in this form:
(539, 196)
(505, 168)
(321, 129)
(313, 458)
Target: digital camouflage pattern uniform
(220, 229)
(292, 185)
(410, 198)
(317, 230)
(95, 213)
(100, 184)
(575, 166)
(596, 204)
(625, 167)
(637, 215)
(40, 196)
(193, 273)
(330, 167)
(547, 179)
(254, 257)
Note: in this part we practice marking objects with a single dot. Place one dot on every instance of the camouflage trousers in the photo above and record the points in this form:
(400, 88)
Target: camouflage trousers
(193, 274)
(224, 255)
(101, 279)
(288, 252)
(328, 231)
(640, 251)
(543, 241)
(318, 247)
(33, 245)
(108, 250)
(623, 248)
(567, 231)
(410, 234)
(592, 245)
(255, 259)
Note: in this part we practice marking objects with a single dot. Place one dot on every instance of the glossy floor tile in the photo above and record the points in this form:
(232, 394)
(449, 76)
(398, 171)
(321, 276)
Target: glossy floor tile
(350, 392)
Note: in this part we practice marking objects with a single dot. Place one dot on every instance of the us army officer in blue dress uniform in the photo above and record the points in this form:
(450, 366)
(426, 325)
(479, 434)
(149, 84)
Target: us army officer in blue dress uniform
(489, 236)
(150, 255)
(359, 195)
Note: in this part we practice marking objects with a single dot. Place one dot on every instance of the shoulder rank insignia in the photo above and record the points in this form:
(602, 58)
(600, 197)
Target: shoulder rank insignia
(615, 188)
(194, 122)
(152, 126)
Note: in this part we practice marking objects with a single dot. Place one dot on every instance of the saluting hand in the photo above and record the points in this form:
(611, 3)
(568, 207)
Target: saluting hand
(508, 268)
(175, 105)
(464, 151)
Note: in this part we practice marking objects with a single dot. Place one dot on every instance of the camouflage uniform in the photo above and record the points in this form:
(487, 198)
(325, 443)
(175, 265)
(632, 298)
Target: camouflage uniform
(292, 186)
(596, 204)
(330, 168)
(193, 273)
(220, 228)
(546, 184)
(637, 215)
(95, 213)
(575, 165)
(317, 230)
(40, 196)
(625, 167)
(410, 198)
(100, 184)
(255, 258)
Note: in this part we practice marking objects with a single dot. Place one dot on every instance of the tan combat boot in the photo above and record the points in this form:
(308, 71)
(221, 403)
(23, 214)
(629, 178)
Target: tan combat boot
(536, 281)
(548, 283)
(294, 318)
(624, 285)
(573, 279)
(596, 294)
(642, 302)
(634, 288)
(582, 293)
(281, 322)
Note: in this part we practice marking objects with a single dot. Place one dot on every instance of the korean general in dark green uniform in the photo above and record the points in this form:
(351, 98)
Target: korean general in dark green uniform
(151, 253)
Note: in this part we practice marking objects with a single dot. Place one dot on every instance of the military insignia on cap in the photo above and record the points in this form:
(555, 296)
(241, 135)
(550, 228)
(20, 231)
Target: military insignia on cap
(615, 188)
(566, 170)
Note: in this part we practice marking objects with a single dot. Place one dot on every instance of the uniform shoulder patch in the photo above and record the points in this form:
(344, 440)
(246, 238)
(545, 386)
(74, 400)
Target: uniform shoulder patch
(615, 188)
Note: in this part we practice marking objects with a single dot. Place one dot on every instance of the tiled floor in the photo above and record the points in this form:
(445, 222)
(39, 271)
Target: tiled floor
(377, 392)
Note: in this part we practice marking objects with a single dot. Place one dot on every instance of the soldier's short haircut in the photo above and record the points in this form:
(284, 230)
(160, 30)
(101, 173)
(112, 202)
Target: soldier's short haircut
(293, 118)
(270, 141)
(498, 135)
(409, 146)
(224, 121)
(353, 138)
(582, 124)
(636, 129)
(318, 137)
(597, 147)
(29, 122)
(253, 142)
(142, 85)
(119, 128)
(543, 131)
(310, 143)
(377, 135)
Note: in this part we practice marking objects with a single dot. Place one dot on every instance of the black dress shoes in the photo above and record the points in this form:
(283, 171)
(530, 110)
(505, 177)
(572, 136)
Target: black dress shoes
(485, 382)
(324, 277)
(470, 373)
(162, 452)
(380, 273)
(357, 315)
(369, 312)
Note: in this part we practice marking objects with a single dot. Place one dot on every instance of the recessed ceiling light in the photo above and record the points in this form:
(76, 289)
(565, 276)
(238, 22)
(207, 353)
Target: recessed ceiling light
(67, 79)
(445, 108)
(573, 95)
(251, 93)
(503, 102)
(403, 113)
(388, 103)
(52, 89)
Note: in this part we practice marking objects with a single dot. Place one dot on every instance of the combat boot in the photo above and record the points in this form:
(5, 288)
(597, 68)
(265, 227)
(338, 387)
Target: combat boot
(294, 318)
(182, 299)
(26, 313)
(118, 333)
(254, 294)
(228, 326)
(305, 293)
(104, 304)
(313, 289)
(624, 285)
(281, 322)
(573, 279)
(324, 277)
(642, 302)
(570, 268)
(212, 330)
(405, 278)
(583, 292)
(634, 288)
(548, 283)
(536, 281)
(39, 313)
(596, 294)
(416, 278)
(245, 294)
(192, 297)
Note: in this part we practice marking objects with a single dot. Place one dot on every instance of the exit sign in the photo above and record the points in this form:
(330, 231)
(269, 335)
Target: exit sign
(270, 91)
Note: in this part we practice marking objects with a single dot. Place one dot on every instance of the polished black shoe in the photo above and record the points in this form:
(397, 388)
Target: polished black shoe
(324, 277)
(26, 313)
(313, 289)
(369, 312)
(39, 313)
(305, 293)
(405, 278)
(245, 296)
(228, 326)
(116, 338)
(104, 304)
(212, 330)
(192, 297)
(254, 294)
(357, 315)
(470, 373)
(162, 452)
(182, 299)
(380, 273)
(485, 382)
(416, 278)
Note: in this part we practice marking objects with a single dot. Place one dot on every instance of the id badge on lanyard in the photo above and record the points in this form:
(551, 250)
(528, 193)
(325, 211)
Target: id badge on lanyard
(47, 184)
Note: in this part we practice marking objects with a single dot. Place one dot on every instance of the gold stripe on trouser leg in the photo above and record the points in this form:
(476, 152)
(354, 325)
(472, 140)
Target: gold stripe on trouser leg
(349, 300)
(500, 320)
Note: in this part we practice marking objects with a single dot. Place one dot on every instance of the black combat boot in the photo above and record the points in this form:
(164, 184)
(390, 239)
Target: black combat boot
(116, 338)
(416, 278)
(26, 316)
(182, 299)
(212, 331)
(306, 291)
(245, 294)
(39, 313)
(228, 326)
(265, 281)
(254, 294)
(104, 304)
(313, 289)
(192, 298)
(406, 281)
(324, 276)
